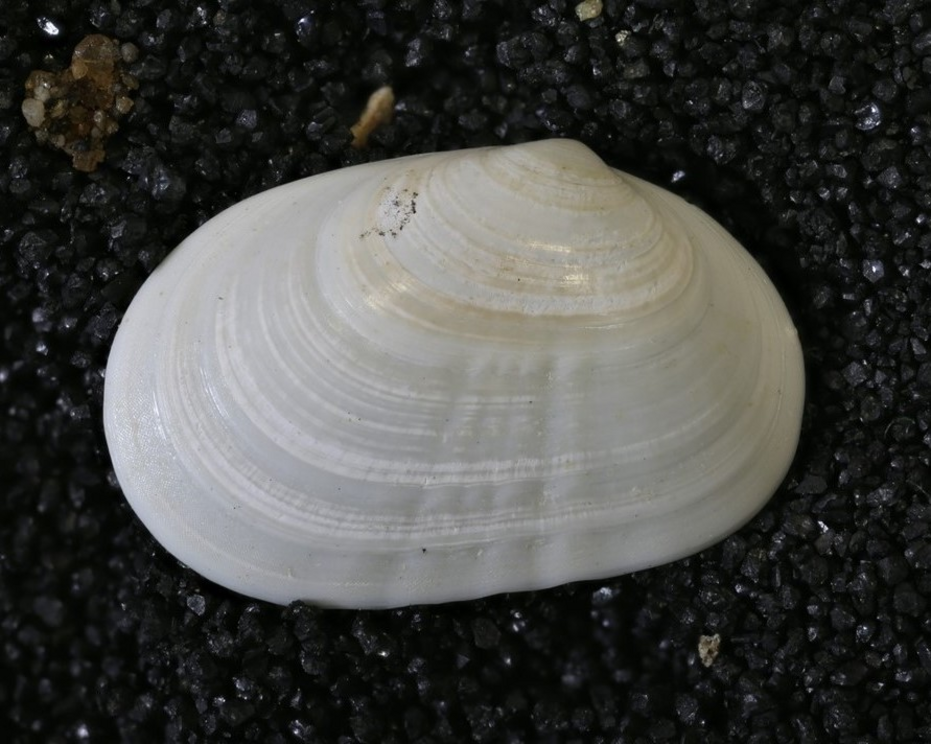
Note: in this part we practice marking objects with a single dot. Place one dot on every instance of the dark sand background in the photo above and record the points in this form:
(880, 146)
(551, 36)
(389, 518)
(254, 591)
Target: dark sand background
(802, 126)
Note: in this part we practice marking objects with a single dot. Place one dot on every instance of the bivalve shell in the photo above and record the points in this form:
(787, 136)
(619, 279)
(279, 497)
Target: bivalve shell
(451, 375)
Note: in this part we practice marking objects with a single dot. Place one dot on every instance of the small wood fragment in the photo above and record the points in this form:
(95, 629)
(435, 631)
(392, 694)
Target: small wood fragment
(378, 110)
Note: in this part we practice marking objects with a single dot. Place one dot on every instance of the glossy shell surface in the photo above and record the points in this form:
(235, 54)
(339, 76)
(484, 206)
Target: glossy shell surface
(447, 376)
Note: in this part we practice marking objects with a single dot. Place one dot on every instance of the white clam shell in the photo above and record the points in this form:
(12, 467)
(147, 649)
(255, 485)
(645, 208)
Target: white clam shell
(451, 375)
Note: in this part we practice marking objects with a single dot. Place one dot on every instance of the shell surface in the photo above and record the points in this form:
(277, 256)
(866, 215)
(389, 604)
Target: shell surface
(451, 375)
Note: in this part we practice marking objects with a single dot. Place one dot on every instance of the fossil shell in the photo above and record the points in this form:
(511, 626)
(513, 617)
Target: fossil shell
(451, 375)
